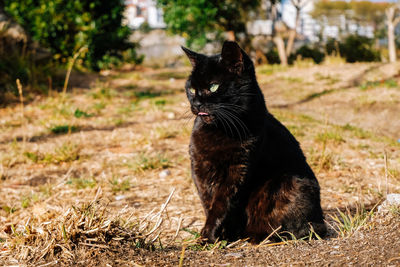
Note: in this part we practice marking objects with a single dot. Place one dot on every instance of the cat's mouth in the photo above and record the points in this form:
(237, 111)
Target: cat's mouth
(205, 116)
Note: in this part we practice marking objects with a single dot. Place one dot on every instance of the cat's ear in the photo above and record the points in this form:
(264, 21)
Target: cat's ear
(193, 56)
(232, 57)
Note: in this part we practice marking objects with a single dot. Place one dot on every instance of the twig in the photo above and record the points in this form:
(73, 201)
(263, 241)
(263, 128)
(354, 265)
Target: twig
(182, 256)
(269, 236)
(386, 173)
(71, 64)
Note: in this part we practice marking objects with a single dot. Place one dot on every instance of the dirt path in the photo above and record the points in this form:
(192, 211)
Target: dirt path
(103, 177)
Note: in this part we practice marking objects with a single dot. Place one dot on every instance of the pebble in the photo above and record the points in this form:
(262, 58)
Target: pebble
(171, 115)
(391, 200)
(119, 197)
(164, 173)
(235, 255)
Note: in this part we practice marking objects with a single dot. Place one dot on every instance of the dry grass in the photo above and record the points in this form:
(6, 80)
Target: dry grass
(93, 172)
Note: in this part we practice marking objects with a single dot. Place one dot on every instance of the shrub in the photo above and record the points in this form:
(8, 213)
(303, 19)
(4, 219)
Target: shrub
(306, 52)
(354, 48)
(65, 26)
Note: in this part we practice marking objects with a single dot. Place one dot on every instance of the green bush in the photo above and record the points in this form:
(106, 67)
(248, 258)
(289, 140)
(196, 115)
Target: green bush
(65, 26)
(273, 56)
(354, 48)
(306, 52)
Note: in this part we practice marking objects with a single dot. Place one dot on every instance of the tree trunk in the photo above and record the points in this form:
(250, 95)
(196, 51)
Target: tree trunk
(292, 33)
(391, 42)
(280, 44)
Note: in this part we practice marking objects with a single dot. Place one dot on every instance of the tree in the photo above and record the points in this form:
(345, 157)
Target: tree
(392, 19)
(65, 26)
(196, 19)
(298, 5)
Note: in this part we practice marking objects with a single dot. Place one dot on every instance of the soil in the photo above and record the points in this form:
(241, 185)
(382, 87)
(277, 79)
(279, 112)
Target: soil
(120, 143)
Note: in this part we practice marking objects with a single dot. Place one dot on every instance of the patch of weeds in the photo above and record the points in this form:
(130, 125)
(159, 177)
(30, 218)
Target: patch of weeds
(332, 136)
(346, 223)
(64, 129)
(150, 162)
(160, 102)
(394, 173)
(165, 133)
(99, 106)
(358, 132)
(46, 190)
(82, 183)
(118, 185)
(127, 109)
(9, 210)
(395, 210)
(67, 152)
(118, 122)
(103, 93)
(270, 69)
(26, 201)
(79, 114)
(295, 130)
(293, 79)
(140, 95)
(193, 242)
(323, 161)
(389, 83)
(328, 78)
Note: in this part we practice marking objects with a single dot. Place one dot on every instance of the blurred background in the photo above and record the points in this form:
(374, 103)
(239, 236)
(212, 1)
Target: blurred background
(39, 38)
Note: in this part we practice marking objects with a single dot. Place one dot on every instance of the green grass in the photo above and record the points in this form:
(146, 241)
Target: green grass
(151, 162)
(118, 185)
(67, 152)
(330, 136)
(82, 183)
(64, 129)
(193, 243)
(346, 223)
(270, 69)
(79, 114)
(389, 83)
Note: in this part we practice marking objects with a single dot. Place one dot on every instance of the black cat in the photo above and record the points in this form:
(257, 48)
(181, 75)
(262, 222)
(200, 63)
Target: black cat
(249, 170)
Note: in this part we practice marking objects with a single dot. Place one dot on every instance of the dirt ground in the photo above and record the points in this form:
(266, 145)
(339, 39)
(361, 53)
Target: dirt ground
(101, 176)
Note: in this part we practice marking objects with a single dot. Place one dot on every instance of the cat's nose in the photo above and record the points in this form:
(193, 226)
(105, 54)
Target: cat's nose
(196, 104)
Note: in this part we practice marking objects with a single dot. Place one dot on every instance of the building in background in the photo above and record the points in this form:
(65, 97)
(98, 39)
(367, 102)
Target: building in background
(139, 11)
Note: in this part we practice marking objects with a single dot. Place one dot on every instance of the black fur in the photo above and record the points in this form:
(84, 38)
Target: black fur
(249, 170)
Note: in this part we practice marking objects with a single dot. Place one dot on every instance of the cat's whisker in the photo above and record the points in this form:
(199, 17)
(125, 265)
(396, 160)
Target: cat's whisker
(229, 118)
(240, 122)
(223, 121)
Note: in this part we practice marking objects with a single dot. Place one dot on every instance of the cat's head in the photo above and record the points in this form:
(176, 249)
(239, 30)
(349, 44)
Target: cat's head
(221, 87)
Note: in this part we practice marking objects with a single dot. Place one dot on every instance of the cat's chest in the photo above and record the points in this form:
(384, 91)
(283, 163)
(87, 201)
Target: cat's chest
(214, 148)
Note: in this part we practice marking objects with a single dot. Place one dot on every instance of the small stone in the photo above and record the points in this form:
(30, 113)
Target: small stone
(164, 173)
(171, 115)
(391, 200)
(119, 197)
(235, 255)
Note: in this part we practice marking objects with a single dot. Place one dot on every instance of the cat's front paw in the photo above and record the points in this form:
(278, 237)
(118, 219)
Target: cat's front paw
(208, 234)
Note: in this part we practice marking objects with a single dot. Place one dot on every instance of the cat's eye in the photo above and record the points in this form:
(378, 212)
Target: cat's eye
(192, 91)
(214, 87)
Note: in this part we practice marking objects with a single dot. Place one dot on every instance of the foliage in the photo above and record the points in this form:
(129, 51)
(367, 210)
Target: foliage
(65, 26)
(196, 19)
(354, 48)
(273, 56)
(307, 52)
